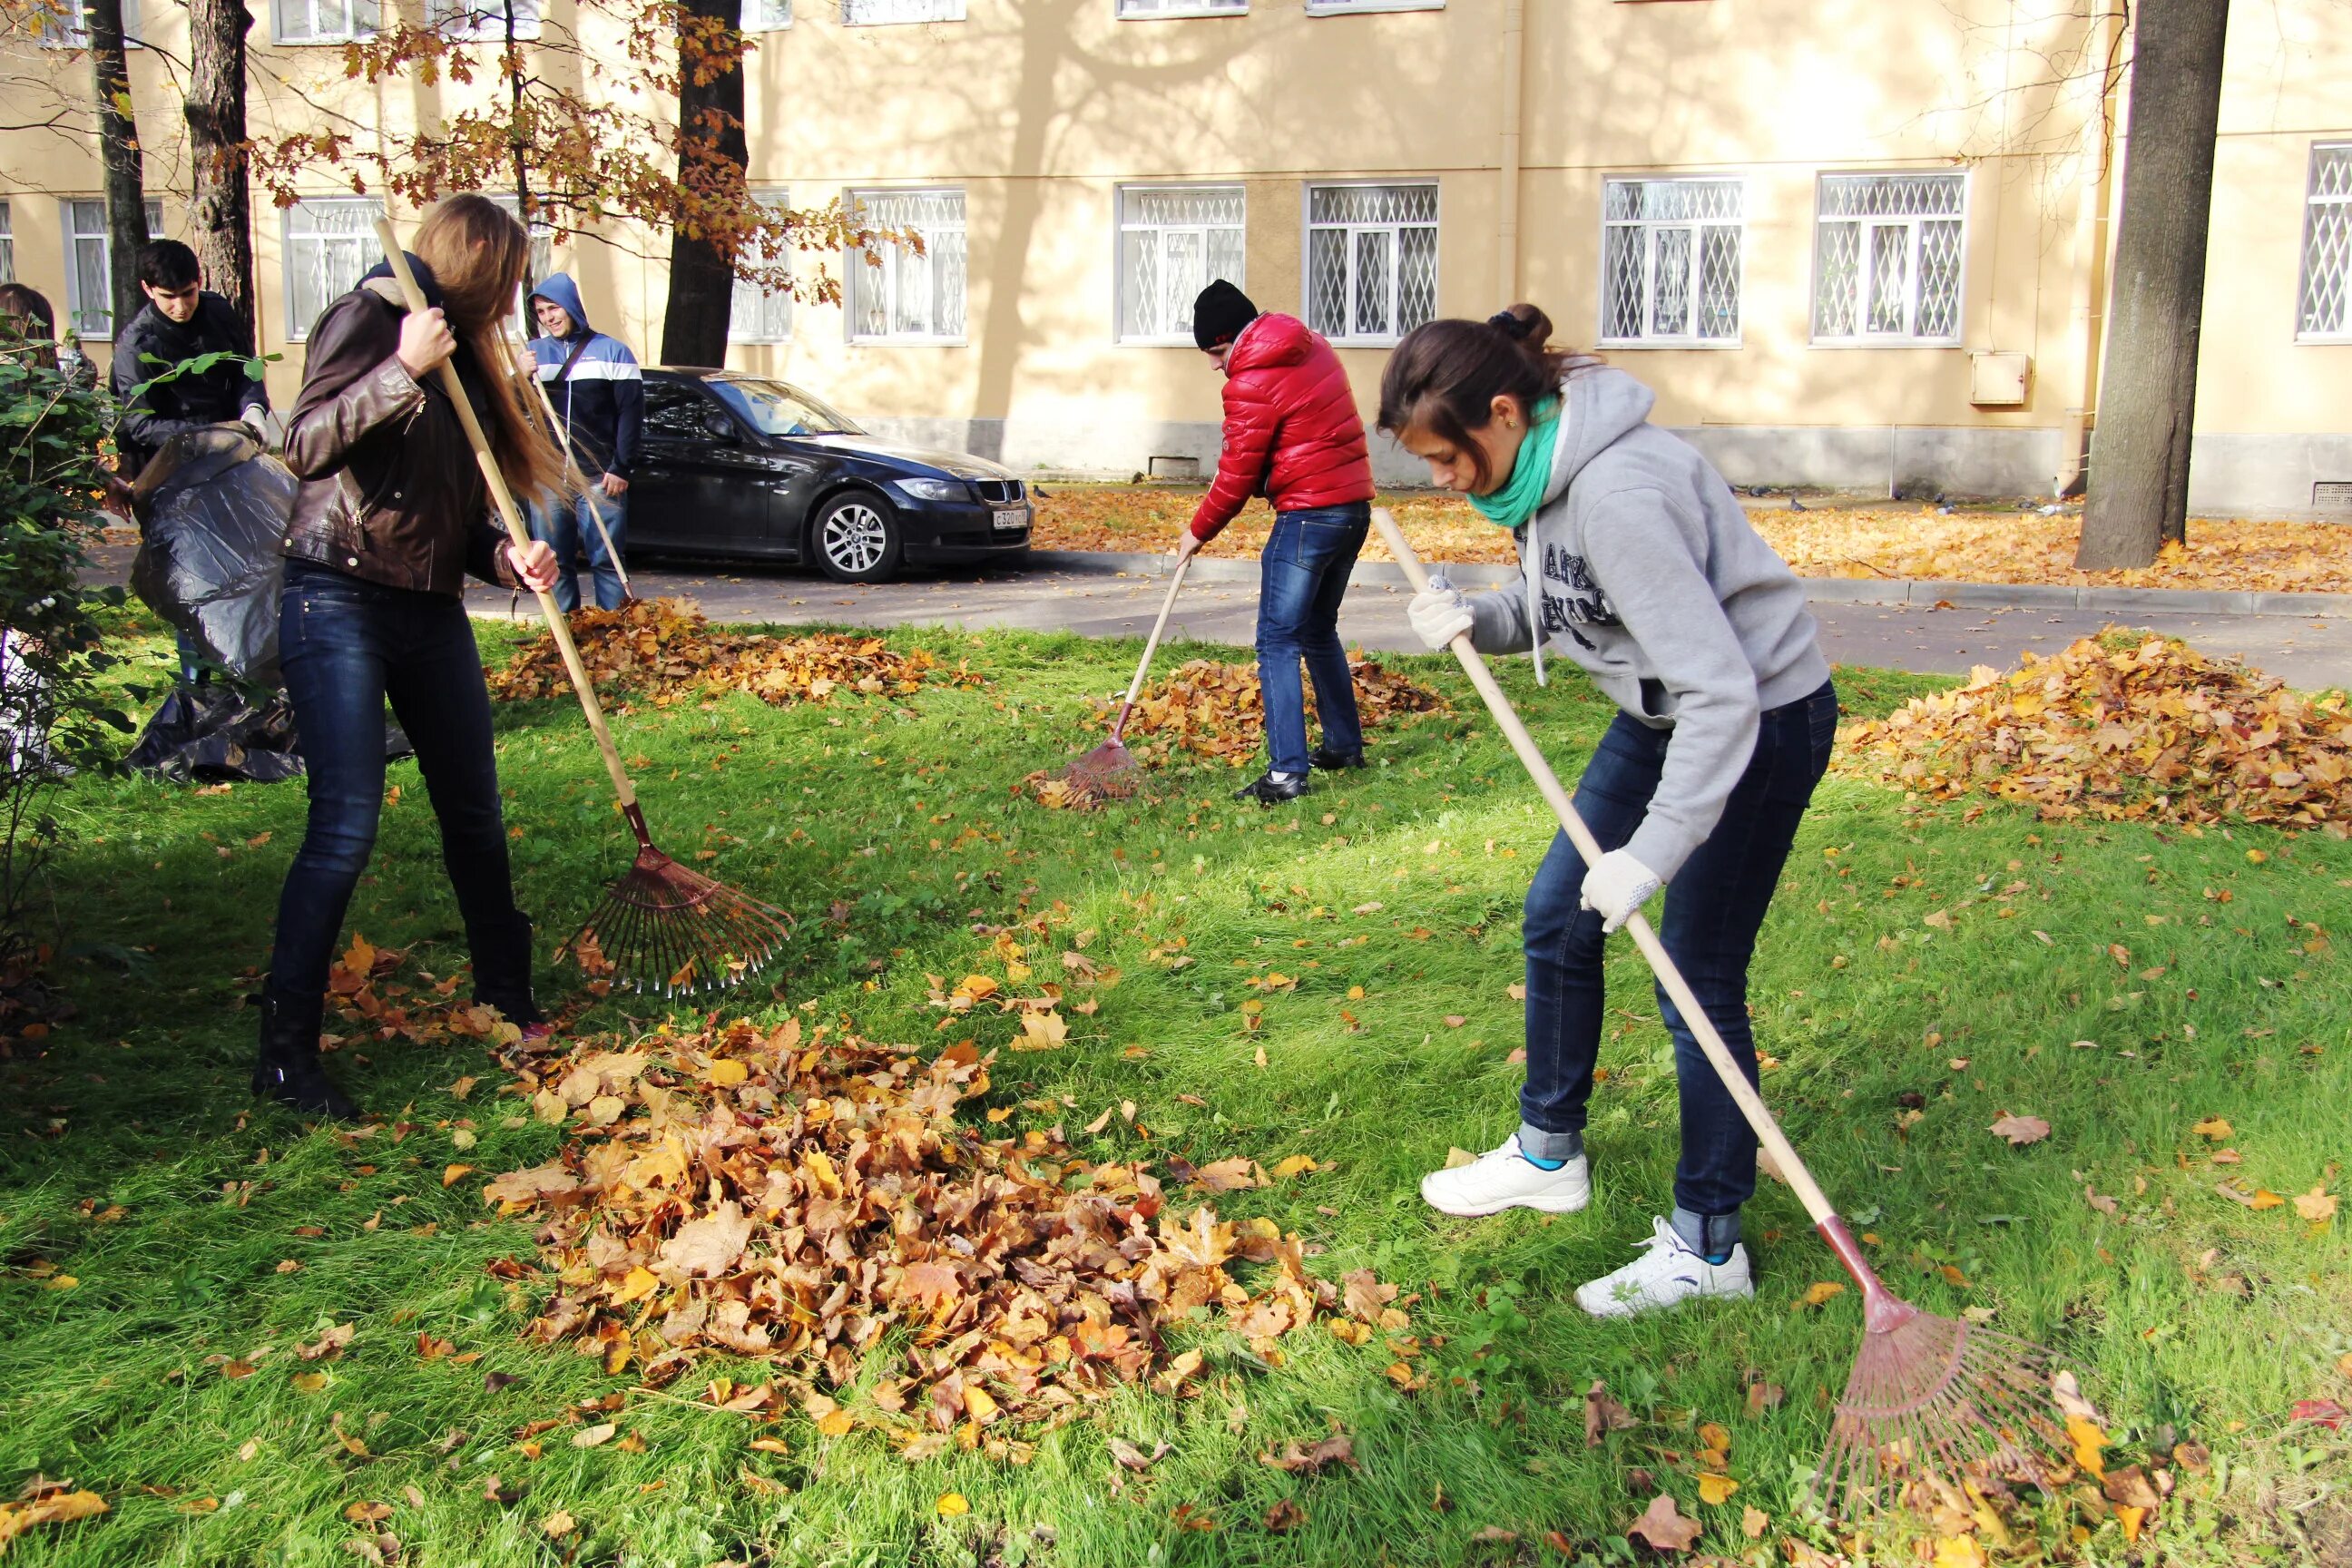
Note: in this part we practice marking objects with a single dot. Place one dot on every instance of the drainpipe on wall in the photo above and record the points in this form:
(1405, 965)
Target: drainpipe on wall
(1506, 228)
(2092, 200)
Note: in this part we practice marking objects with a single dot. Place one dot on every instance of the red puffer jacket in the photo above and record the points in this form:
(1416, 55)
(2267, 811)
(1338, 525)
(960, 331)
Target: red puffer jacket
(1291, 426)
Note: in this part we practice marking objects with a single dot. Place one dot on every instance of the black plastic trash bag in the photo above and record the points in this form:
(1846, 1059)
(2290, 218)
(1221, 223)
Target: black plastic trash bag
(213, 508)
(214, 733)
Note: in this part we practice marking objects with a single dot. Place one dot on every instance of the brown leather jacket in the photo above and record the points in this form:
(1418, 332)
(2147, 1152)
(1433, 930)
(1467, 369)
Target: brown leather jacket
(391, 492)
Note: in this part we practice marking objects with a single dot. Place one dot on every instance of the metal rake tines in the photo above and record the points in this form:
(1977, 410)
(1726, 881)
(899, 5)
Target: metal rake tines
(1935, 1400)
(667, 929)
(1109, 771)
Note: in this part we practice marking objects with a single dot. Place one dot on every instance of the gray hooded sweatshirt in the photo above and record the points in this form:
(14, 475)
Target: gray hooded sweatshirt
(1642, 567)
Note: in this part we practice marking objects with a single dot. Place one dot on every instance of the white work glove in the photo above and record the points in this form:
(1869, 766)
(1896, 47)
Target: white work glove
(1439, 613)
(1615, 886)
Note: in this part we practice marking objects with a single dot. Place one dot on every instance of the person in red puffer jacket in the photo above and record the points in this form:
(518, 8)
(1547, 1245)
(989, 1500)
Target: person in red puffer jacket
(1292, 434)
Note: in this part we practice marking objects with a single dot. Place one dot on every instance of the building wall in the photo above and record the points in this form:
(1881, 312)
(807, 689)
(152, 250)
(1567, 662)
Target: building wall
(1039, 110)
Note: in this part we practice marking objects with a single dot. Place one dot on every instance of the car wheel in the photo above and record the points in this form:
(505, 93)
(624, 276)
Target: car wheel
(858, 538)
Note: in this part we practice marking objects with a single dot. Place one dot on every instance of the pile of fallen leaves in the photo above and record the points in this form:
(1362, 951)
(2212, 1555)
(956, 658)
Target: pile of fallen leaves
(664, 652)
(813, 1199)
(2124, 726)
(1900, 541)
(370, 999)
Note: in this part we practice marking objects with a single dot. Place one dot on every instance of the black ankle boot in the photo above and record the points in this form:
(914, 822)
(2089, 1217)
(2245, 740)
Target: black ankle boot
(1332, 762)
(288, 1069)
(502, 976)
(1267, 790)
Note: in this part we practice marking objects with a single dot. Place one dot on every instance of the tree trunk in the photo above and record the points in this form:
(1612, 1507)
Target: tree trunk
(701, 277)
(126, 202)
(222, 214)
(2138, 496)
(518, 141)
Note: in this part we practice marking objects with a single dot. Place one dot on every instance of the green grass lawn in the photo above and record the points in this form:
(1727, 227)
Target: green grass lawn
(1921, 974)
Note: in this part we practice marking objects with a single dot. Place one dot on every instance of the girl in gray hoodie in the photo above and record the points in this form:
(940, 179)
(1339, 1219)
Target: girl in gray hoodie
(1638, 565)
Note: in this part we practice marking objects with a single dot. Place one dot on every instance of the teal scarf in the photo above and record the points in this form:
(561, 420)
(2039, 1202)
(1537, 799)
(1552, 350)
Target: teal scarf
(1515, 500)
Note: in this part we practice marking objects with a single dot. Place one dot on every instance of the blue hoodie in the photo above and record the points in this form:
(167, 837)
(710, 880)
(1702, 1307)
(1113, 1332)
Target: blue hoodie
(600, 400)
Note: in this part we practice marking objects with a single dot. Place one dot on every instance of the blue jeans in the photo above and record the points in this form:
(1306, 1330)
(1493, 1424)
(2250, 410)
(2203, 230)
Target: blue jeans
(571, 532)
(1302, 575)
(1715, 907)
(347, 646)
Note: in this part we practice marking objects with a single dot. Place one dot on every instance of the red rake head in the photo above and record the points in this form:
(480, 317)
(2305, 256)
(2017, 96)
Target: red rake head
(1931, 1401)
(1109, 771)
(665, 928)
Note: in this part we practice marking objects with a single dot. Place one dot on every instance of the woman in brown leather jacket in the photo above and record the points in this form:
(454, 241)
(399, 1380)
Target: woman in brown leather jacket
(392, 513)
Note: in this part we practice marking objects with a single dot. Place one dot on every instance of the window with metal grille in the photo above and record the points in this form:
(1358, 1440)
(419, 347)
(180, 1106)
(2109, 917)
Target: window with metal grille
(766, 15)
(330, 242)
(881, 13)
(760, 315)
(1671, 261)
(483, 21)
(323, 21)
(1172, 239)
(89, 280)
(2326, 313)
(901, 296)
(1371, 260)
(7, 247)
(1141, 8)
(65, 24)
(1887, 258)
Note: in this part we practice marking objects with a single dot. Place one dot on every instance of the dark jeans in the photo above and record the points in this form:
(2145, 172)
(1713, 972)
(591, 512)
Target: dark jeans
(1302, 575)
(1715, 907)
(571, 532)
(347, 646)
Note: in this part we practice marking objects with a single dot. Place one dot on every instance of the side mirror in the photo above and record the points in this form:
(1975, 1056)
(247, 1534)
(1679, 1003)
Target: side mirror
(720, 427)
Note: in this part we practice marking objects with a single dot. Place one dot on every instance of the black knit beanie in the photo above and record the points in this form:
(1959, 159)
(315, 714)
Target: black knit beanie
(1220, 314)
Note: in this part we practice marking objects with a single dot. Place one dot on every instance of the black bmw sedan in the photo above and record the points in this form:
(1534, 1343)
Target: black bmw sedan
(744, 467)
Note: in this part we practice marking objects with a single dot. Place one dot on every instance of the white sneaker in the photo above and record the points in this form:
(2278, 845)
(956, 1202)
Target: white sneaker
(1667, 1274)
(1505, 1179)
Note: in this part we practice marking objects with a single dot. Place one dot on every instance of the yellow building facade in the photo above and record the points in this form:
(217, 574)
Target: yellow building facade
(1853, 246)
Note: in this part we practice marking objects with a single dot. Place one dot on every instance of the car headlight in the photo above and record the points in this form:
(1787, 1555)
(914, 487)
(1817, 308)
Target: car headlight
(934, 490)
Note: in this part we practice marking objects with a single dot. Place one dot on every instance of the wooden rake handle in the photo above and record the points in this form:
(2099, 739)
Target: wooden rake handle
(1719, 1055)
(587, 491)
(1150, 647)
(512, 517)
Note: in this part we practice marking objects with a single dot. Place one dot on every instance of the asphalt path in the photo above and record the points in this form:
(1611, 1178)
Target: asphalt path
(2307, 653)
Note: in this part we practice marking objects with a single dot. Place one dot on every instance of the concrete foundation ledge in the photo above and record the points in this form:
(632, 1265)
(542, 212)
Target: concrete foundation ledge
(1822, 590)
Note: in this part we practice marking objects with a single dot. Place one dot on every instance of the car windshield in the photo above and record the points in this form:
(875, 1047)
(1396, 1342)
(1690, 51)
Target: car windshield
(775, 409)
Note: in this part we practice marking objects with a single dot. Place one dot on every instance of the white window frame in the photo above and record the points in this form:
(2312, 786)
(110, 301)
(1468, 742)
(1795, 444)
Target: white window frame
(769, 305)
(1684, 340)
(1176, 10)
(484, 21)
(764, 16)
(59, 33)
(898, 12)
(8, 243)
(1307, 255)
(354, 30)
(858, 275)
(1368, 7)
(96, 322)
(2312, 202)
(1121, 228)
(1909, 339)
(297, 328)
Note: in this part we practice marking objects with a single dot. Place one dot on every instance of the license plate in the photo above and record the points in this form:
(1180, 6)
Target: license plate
(1011, 517)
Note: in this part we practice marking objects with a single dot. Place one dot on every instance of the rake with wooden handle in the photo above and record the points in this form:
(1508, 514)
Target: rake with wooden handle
(1110, 771)
(587, 490)
(662, 926)
(1930, 1397)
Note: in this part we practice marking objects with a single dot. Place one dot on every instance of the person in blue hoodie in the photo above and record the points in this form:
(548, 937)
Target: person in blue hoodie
(1638, 565)
(599, 396)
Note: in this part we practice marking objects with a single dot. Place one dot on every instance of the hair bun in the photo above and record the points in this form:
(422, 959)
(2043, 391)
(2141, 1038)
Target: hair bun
(1511, 324)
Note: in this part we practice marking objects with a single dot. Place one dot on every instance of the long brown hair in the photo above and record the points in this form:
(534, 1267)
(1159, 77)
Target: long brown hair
(1446, 375)
(479, 254)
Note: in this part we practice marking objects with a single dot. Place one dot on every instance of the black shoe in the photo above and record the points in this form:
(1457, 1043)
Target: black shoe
(502, 975)
(1332, 762)
(288, 1069)
(1267, 789)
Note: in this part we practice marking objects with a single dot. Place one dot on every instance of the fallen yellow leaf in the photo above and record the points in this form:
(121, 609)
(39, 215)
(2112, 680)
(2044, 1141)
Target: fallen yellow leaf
(2317, 1205)
(726, 1073)
(952, 1504)
(1713, 1488)
(2088, 1440)
(1819, 1292)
